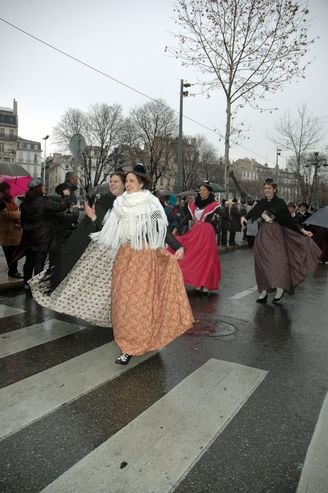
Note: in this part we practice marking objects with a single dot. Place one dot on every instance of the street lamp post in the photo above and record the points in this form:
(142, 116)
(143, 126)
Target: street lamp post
(178, 181)
(278, 152)
(45, 157)
(317, 165)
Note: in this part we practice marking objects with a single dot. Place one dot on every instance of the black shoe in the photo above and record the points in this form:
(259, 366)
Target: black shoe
(123, 359)
(262, 300)
(16, 275)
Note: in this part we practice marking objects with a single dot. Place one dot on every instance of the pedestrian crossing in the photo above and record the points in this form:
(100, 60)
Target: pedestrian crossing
(46, 391)
(142, 447)
(22, 339)
(183, 423)
(7, 311)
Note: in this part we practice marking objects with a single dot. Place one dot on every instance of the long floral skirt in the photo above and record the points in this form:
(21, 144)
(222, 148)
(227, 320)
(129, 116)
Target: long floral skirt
(150, 306)
(283, 257)
(86, 290)
(201, 263)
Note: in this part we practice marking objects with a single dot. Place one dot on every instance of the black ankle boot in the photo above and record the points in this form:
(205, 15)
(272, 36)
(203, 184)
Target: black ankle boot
(123, 359)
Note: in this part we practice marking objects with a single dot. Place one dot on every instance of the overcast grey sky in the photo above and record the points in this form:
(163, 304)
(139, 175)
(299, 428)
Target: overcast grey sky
(126, 40)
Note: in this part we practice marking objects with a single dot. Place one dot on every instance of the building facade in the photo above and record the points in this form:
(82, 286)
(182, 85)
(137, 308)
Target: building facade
(8, 133)
(28, 155)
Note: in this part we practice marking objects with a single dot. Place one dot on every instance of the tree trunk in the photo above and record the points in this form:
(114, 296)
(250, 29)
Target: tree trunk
(227, 149)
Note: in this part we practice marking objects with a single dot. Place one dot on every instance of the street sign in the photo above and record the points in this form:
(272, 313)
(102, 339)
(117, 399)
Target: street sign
(77, 145)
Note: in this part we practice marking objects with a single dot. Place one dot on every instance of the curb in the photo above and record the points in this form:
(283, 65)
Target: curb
(6, 283)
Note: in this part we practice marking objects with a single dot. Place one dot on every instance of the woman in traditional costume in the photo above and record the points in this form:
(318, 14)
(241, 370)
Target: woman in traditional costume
(284, 252)
(150, 306)
(78, 281)
(201, 264)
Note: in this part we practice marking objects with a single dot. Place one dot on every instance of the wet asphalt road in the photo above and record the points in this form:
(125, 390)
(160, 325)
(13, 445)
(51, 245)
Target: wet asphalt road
(263, 447)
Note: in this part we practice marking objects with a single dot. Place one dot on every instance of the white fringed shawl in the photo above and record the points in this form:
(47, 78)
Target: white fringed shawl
(138, 219)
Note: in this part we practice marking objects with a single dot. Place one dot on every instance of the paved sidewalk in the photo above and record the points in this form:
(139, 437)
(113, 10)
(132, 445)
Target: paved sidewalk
(6, 281)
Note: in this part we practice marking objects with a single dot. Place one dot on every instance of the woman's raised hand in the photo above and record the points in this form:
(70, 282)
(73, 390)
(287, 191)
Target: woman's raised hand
(90, 211)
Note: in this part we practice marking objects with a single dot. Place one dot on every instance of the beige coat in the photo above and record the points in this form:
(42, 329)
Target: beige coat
(10, 229)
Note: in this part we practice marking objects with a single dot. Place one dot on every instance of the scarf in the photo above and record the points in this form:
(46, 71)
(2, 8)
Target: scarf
(138, 219)
(201, 204)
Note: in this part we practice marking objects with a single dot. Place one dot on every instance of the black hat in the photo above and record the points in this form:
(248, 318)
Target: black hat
(60, 188)
(4, 186)
(140, 170)
(304, 204)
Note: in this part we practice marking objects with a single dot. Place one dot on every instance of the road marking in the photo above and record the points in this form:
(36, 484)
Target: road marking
(242, 294)
(314, 477)
(7, 311)
(28, 400)
(157, 449)
(34, 335)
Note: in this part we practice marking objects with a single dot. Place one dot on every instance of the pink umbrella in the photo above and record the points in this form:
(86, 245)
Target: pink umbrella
(18, 184)
(17, 177)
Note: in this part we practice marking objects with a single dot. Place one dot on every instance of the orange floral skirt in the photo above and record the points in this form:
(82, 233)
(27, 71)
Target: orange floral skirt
(150, 307)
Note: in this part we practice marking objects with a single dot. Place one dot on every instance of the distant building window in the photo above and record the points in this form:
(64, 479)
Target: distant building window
(28, 146)
(2, 132)
(2, 148)
(11, 133)
(35, 158)
(36, 147)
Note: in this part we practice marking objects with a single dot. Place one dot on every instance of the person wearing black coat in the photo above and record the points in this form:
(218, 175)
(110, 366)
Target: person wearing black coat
(224, 213)
(37, 216)
(64, 223)
(235, 215)
(63, 259)
(71, 181)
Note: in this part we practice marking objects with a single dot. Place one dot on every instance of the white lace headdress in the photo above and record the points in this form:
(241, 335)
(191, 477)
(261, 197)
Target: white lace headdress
(138, 219)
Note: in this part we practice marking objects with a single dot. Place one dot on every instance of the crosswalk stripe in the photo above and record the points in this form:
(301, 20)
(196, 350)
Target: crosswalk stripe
(314, 475)
(34, 335)
(28, 400)
(156, 450)
(244, 293)
(7, 311)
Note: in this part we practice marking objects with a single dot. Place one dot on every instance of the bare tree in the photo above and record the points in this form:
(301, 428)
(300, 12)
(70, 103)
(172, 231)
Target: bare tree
(156, 126)
(200, 162)
(73, 121)
(247, 47)
(298, 133)
(102, 128)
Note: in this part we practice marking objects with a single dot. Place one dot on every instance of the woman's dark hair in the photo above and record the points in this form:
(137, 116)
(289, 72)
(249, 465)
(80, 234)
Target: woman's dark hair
(269, 181)
(32, 194)
(206, 185)
(120, 174)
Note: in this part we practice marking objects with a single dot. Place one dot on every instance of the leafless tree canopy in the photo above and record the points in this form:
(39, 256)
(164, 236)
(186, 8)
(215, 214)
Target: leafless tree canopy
(156, 127)
(101, 127)
(299, 133)
(244, 47)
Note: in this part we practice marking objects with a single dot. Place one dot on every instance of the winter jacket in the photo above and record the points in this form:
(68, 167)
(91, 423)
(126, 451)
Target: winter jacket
(37, 219)
(10, 229)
